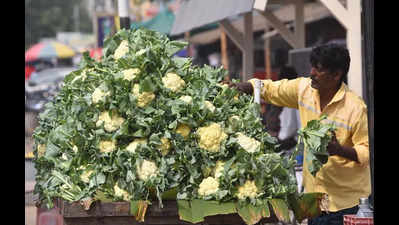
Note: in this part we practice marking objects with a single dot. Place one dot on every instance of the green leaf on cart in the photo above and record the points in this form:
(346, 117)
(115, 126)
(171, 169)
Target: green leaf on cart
(307, 205)
(253, 214)
(138, 209)
(280, 208)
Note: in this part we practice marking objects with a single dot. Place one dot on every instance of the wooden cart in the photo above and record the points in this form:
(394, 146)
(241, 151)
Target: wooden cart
(118, 213)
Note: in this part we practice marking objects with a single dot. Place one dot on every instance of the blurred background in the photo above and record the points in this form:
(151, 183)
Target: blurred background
(58, 32)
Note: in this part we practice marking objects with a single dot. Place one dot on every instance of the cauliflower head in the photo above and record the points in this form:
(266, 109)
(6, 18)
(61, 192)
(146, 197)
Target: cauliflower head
(210, 106)
(147, 170)
(164, 148)
(173, 82)
(85, 176)
(99, 95)
(183, 129)
(121, 193)
(250, 145)
(134, 144)
(130, 74)
(211, 136)
(208, 186)
(249, 189)
(41, 150)
(187, 99)
(219, 168)
(110, 123)
(122, 49)
(143, 98)
(107, 146)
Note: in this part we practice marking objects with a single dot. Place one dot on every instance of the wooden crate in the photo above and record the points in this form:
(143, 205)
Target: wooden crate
(118, 213)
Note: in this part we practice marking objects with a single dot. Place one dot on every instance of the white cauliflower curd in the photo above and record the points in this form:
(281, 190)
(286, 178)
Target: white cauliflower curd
(107, 146)
(164, 148)
(119, 192)
(187, 99)
(183, 129)
(211, 137)
(210, 106)
(130, 74)
(143, 98)
(219, 168)
(41, 150)
(99, 95)
(147, 170)
(85, 176)
(134, 144)
(208, 186)
(248, 144)
(249, 189)
(122, 49)
(110, 123)
(173, 82)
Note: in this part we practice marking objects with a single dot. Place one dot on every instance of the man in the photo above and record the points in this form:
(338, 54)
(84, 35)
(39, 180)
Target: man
(346, 175)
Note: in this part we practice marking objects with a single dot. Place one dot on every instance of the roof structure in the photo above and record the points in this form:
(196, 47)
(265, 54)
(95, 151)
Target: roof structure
(197, 13)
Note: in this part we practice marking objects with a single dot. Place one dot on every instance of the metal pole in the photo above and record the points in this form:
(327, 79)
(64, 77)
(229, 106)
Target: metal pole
(368, 46)
(123, 12)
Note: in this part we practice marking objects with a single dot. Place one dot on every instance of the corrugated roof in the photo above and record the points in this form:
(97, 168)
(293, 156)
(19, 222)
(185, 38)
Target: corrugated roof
(196, 13)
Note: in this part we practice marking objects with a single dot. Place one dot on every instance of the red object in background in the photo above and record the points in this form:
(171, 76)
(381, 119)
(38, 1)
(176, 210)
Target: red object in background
(28, 71)
(353, 220)
(96, 53)
(262, 75)
(46, 216)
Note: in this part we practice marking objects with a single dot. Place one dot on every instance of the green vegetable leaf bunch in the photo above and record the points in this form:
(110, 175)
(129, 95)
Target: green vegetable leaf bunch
(314, 138)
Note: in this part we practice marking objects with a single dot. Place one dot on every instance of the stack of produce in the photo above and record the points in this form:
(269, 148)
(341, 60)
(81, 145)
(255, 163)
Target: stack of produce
(141, 124)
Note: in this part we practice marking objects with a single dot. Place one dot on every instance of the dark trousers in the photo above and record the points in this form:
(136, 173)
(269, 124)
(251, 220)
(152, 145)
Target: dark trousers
(332, 218)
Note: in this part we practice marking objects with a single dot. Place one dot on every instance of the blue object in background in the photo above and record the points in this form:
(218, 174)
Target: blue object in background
(299, 159)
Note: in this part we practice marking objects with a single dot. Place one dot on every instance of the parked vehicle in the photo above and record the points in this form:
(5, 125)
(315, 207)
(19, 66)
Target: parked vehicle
(39, 90)
(43, 86)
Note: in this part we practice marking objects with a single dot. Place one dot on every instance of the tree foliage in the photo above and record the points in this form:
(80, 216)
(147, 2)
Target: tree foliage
(44, 18)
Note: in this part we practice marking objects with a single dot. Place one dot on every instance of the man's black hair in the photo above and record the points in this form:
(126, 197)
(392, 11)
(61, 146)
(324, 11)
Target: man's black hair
(287, 72)
(332, 57)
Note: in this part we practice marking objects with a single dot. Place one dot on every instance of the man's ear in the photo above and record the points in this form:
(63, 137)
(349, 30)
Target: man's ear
(338, 75)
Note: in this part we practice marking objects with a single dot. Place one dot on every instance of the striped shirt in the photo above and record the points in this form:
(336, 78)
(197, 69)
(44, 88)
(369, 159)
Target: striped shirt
(344, 180)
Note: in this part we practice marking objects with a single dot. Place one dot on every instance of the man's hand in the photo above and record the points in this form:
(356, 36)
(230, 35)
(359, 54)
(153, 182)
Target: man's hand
(334, 148)
(244, 87)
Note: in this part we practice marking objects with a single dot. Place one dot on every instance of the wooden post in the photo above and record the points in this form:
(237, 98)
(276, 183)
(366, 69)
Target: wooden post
(300, 23)
(266, 48)
(223, 46)
(187, 38)
(248, 53)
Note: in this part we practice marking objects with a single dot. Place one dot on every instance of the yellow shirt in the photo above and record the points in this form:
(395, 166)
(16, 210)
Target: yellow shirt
(344, 181)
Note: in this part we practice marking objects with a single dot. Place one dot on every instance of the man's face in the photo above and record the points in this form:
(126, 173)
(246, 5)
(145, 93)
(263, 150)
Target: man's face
(323, 79)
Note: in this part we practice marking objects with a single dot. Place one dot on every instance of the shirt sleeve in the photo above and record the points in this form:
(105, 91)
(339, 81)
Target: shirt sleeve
(281, 93)
(360, 139)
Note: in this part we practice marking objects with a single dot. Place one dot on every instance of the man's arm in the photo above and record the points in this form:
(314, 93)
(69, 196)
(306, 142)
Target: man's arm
(245, 87)
(334, 148)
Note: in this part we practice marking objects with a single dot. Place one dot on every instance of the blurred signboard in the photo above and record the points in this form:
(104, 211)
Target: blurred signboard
(105, 27)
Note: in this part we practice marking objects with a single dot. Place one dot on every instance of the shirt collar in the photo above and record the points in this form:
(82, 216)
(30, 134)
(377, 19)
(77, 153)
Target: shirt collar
(340, 93)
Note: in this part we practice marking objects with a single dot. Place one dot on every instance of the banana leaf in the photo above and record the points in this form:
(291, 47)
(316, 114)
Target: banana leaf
(306, 205)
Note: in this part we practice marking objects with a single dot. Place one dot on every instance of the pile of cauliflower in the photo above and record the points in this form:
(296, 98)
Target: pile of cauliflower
(142, 122)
